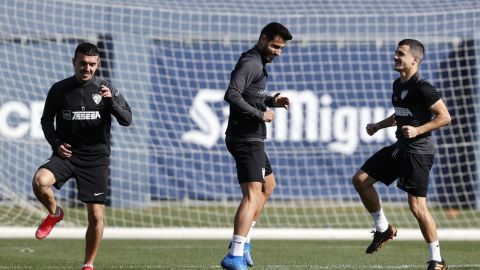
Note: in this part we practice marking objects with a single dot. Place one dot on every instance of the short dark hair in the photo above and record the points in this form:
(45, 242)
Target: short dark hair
(274, 29)
(416, 47)
(86, 49)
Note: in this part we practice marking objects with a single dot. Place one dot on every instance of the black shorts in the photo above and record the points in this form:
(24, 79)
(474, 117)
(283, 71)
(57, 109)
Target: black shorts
(91, 180)
(412, 170)
(252, 161)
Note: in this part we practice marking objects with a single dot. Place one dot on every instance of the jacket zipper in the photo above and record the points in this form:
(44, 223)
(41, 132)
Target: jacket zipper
(83, 104)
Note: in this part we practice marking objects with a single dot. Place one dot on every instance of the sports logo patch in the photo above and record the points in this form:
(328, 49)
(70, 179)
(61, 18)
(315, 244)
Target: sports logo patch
(404, 94)
(96, 98)
(67, 114)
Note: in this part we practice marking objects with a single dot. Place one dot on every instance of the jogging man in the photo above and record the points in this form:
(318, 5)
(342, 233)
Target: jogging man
(82, 107)
(245, 134)
(418, 111)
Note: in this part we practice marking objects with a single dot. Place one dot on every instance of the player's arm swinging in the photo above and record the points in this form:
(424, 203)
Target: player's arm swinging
(387, 122)
(441, 118)
(276, 101)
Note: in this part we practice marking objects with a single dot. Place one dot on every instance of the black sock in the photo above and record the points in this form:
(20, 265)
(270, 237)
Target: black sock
(57, 212)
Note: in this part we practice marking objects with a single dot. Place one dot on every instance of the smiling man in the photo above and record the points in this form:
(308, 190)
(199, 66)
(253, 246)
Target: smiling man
(82, 107)
(418, 111)
(245, 134)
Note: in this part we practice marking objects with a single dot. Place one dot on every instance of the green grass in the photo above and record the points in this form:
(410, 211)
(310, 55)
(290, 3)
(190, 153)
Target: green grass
(319, 215)
(184, 254)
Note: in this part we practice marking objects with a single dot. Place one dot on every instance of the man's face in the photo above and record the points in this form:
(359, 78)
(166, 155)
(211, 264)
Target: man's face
(403, 59)
(85, 67)
(272, 48)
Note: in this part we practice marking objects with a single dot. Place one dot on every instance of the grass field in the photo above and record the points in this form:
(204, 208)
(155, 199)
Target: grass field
(219, 216)
(184, 254)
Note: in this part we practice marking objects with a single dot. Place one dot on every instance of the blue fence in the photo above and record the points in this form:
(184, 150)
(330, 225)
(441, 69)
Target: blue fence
(173, 70)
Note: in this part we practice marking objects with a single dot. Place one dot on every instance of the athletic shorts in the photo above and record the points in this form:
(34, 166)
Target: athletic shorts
(412, 170)
(91, 180)
(251, 160)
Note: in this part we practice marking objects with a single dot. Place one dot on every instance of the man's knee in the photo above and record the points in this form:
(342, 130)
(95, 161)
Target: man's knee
(95, 214)
(269, 185)
(95, 220)
(43, 179)
(418, 208)
(359, 180)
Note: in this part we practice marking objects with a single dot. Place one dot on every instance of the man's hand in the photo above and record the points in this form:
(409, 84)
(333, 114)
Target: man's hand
(372, 129)
(268, 116)
(105, 91)
(279, 101)
(409, 132)
(64, 150)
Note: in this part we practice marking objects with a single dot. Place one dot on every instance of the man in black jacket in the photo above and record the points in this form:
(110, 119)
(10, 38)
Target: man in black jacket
(245, 134)
(82, 107)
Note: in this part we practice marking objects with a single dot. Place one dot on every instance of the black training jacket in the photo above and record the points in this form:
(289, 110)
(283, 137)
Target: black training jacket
(247, 97)
(83, 117)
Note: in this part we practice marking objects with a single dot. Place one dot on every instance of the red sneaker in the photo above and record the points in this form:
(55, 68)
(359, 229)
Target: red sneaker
(47, 225)
(88, 267)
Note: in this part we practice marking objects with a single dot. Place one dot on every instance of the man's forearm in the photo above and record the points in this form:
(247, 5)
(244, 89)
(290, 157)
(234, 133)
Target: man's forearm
(437, 122)
(387, 122)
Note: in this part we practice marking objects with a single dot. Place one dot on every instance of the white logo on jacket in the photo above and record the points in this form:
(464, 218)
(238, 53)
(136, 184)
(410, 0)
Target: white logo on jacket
(86, 115)
(399, 111)
(96, 98)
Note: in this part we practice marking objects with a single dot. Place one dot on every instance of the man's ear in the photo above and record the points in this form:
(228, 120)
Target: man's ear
(416, 60)
(262, 40)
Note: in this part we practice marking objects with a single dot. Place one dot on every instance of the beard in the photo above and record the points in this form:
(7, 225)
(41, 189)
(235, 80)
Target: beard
(268, 55)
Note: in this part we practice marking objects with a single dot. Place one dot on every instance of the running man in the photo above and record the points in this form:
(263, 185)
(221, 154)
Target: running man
(245, 134)
(82, 107)
(418, 111)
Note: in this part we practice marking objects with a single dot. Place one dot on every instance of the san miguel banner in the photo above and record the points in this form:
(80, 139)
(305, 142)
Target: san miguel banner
(335, 91)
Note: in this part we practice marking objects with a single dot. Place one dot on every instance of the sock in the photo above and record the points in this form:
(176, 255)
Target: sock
(238, 242)
(434, 251)
(381, 222)
(249, 235)
(57, 212)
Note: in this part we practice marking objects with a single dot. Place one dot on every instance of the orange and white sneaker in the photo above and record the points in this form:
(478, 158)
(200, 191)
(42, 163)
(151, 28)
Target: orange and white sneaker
(47, 225)
(88, 266)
